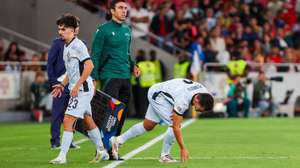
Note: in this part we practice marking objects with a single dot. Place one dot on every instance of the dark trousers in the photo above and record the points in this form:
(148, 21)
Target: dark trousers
(142, 101)
(119, 89)
(58, 110)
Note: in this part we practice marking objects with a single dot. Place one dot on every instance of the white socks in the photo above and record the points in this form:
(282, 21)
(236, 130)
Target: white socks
(65, 144)
(134, 131)
(95, 136)
(169, 140)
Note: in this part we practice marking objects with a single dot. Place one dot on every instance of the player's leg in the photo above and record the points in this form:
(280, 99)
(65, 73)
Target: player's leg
(94, 135)
(168, 142)
(58, 109)
(138, 129)
(66, 139)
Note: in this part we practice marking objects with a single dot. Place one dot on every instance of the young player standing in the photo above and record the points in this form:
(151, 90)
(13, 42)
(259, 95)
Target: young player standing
(78, 67)
(167, 103)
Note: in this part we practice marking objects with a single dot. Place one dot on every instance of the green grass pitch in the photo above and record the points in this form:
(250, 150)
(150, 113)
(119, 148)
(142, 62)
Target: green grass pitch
(223, 143)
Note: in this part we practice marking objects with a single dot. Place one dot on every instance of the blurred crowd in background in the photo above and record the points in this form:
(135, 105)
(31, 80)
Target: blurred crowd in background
(216, 31)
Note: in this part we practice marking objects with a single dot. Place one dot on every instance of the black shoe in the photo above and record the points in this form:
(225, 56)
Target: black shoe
(55, 147)
(74, 146)
(112, 158)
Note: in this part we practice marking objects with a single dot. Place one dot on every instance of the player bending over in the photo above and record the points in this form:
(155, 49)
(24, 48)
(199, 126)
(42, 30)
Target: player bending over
(167, 103)
(78, 66)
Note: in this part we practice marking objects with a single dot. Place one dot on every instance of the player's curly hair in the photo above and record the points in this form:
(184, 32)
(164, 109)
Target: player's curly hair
(68, 20)
(207, 101)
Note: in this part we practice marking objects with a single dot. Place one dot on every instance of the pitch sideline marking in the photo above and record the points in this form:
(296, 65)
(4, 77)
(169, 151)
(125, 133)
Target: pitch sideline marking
(80, 141)
(144, 147)
(221, 158)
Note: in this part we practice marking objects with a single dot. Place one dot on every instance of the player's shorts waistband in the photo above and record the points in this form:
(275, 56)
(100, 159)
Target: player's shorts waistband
(155, 94)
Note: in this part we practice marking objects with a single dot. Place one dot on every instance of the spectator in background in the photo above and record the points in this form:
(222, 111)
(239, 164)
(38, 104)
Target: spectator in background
(262, 96)
(140, 19)
(275, 6)
(145, 81)
(274, 56)
(280, 40)
(160, 69)
(44, 58)
(236, 68)
(182, 68)
(196, 48)
(210, 19)
(35, 59)
(237, 99)
(266, 44)
(210, 54)
(249, 35)
(259, 56)
(40, 91)
(161, 24)
(13, 52)
(218, 43)
(140, 56)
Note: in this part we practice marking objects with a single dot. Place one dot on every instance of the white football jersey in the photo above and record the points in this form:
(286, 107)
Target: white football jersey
(179, 92)
(75, 53)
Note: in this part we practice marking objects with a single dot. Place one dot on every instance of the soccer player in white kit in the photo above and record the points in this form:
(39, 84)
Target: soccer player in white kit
(78, 68)
(167, 103)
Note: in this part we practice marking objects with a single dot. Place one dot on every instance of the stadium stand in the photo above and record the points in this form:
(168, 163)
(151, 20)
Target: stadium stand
(263, 32)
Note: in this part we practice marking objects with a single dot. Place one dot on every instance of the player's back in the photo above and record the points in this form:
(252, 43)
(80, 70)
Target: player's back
(180, 88)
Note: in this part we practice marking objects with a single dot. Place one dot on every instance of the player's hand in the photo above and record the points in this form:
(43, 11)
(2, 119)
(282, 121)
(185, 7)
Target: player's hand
(184, 155)
(74, 91)
(136, 71)
(57, 90)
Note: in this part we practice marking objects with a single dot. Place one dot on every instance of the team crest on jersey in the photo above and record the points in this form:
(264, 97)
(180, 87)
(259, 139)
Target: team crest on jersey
(113, 33)
(68, 56)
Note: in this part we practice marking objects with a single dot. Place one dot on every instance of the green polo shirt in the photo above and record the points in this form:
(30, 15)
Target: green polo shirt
(111, 51)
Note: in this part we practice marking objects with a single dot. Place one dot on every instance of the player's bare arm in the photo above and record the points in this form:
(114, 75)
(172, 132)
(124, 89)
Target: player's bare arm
(177, 120)
(88, 67)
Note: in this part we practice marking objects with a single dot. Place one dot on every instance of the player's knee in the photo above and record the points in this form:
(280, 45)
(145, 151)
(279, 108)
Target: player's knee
(68, 123)
(149, 125)
(88, 120)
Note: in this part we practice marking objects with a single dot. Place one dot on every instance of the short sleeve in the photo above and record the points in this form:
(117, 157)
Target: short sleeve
(180, 107)
(83, 53)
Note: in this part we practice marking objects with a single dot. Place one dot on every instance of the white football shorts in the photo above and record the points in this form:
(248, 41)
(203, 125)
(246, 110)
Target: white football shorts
(159, 110)
(80, 105)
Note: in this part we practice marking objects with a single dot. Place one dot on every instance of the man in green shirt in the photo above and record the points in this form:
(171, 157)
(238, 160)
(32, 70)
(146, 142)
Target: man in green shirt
(111, 56)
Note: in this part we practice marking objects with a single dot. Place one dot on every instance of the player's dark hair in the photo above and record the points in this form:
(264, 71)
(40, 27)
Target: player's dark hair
(114, 2)
(207, 101)
(77, 18)
(68, 21)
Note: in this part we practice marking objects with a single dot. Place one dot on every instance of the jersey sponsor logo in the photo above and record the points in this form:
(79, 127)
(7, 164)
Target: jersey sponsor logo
(127, 34)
